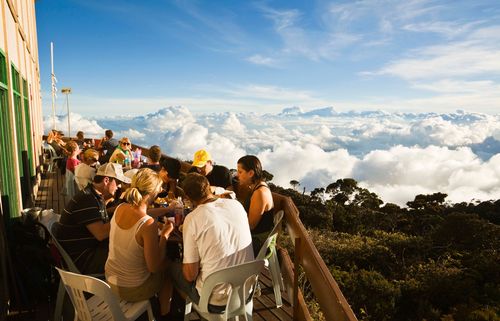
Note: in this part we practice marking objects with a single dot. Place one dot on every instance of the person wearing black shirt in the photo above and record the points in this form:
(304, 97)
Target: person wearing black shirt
(83, 229)
(217, 175)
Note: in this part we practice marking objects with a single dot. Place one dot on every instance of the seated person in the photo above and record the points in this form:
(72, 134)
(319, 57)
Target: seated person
(122, 154)
(83, 229)
(107, 146)
(259, 203)
(216, 236)
(217, 175)
(136, 263)
(153, 161)
(73, 152)
(80, 140)
(169, 173)
(54, 139)
(85, 171)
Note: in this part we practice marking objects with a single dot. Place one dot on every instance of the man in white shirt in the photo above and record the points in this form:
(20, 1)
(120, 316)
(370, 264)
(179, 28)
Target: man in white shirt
(216, 235)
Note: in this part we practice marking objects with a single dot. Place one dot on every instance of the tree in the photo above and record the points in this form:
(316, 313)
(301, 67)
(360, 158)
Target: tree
(294, 184)
(432, 201)
(267, 176)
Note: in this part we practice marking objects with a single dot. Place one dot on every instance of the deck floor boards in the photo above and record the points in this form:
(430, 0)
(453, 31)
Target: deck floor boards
(49, 197)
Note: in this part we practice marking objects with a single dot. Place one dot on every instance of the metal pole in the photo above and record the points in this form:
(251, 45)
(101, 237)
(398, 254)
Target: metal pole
(53, 78)
(69, 123)
(67, 91)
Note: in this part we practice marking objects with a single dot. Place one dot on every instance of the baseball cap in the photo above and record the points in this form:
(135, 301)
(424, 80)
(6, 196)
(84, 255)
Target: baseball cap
(201, 157)
(113, 170)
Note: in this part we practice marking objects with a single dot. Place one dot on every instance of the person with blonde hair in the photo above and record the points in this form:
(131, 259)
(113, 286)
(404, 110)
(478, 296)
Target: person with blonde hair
(85, 171)
(123, 153)
(136, 263)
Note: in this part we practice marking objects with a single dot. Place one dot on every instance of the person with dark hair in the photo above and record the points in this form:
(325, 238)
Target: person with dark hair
(169, 172)
(80, 140)
(215, 236)
(107, 146)
(217, 175)
(154, 158)
(259, 202)
(83, 229)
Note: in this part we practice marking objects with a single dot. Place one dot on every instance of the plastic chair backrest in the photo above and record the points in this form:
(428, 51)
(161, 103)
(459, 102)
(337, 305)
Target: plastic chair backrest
(49, 224)
(241, 278)
(52, 151)
(70, 187)
(269, 245)
(76, 284)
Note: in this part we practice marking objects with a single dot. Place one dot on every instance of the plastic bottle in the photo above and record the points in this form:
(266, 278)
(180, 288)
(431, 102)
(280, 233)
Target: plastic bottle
(179, 212)
(126, 162)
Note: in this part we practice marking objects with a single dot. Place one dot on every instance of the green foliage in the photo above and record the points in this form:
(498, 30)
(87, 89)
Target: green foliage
(430, 261)
(373, 296)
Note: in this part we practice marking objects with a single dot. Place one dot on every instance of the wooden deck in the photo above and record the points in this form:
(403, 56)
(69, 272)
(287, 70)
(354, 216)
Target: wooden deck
(49, 197)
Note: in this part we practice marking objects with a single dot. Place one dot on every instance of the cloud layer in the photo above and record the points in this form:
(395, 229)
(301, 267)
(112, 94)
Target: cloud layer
(396, 155)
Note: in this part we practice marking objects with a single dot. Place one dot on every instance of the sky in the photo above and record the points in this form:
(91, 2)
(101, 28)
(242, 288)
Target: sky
(129, 57)
(403, 96)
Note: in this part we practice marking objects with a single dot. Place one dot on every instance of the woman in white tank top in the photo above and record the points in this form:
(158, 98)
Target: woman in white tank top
(136, 263)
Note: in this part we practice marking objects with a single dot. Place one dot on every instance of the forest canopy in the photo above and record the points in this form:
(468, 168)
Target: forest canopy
(430, 260)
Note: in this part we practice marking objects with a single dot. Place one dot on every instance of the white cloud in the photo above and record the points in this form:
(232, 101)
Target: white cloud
(395, 155)
(262, 60)
(398, 174)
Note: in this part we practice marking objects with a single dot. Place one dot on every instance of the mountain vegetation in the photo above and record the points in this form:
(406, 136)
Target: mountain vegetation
(431, 260)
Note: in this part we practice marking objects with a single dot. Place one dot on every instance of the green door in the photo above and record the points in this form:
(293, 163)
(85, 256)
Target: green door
(18, 113)
(29, 130)
(8, 181)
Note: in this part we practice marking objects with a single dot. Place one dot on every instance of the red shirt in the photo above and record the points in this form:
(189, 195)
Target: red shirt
(71, 164)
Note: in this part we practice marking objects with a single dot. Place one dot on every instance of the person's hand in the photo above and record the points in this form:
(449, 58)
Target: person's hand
(173, 204)
(168, 227)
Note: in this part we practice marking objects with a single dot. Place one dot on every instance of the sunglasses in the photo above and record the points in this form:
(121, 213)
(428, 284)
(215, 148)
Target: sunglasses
(126, 144)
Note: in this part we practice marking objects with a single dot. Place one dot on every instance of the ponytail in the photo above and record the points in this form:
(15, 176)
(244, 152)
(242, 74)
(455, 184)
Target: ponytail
(133, 196)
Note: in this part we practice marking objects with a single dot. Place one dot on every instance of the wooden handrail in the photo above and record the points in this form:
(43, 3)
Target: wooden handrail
(332, 302)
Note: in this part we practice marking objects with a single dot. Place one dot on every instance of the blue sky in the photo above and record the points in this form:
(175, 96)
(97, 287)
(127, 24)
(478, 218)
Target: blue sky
(134, 57)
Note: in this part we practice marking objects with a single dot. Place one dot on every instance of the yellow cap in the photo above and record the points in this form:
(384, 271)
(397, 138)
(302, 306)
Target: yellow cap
(201, 157)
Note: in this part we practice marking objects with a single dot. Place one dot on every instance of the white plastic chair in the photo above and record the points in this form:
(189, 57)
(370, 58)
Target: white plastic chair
(104, 305)
(53, 157)
(242, 279)
(70, 188)
(48, 221)
(268, 252)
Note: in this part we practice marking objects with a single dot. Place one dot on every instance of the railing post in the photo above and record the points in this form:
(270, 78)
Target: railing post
(296, 267)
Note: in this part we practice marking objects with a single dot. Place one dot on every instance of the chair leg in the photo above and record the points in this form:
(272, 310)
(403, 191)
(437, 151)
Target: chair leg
(248, 311)
(151, 317)
(61, 292)
(276, 278)
(187, 309)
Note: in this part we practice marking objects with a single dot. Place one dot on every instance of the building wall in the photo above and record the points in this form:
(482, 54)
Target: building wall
(18, 44)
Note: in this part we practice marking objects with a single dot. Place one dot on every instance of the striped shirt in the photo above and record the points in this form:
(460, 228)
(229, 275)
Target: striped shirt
(85, 208)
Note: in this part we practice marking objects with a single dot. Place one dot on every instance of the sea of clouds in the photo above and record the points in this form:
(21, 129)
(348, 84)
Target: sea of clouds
(395, 155)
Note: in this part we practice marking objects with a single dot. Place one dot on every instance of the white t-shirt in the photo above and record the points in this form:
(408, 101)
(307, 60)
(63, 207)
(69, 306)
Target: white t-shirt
(217, 235)
(84, 174)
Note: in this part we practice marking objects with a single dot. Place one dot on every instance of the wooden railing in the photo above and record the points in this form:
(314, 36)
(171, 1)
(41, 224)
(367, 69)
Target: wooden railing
(332, 302)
